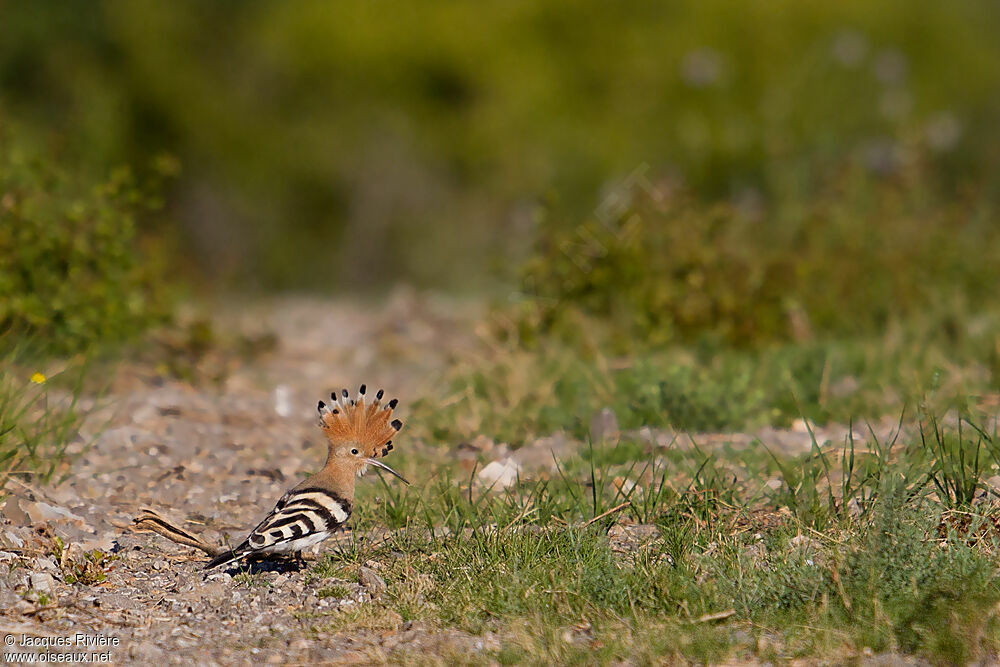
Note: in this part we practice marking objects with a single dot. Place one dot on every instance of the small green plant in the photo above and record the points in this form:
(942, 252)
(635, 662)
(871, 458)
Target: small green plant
(679, 531)
(960, 460)
(646, 503)
(248, 579)
(924, 591)
(39, 418)
(333, 592)
(86, 567)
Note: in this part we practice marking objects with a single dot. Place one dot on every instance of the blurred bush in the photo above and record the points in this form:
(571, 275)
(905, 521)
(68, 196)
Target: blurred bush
(861, 253)
(71, 273)
(331, 142)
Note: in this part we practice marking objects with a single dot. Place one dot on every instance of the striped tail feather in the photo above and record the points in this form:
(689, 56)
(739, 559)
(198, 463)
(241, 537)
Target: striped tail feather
(151, 521)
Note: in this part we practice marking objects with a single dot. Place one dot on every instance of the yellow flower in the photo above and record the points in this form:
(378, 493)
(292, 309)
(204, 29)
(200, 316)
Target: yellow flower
(38, 378)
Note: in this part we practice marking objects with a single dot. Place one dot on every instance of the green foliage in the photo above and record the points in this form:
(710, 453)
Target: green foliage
(71, 272)
(524, 394)
(851, 260)
(327, 138)
(892, 586)
(898, 576)
(515, 394)
(691, 398)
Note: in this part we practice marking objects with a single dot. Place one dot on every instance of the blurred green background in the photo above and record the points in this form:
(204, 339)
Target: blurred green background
(323, 146)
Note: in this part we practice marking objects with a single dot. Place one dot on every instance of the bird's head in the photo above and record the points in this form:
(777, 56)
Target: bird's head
(360, 431)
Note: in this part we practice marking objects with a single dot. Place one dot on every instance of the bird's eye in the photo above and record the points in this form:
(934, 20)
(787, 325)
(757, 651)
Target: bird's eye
(354, 452)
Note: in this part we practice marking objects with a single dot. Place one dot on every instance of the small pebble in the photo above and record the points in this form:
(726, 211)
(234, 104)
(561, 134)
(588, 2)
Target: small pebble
(43, 583)
(368, 578)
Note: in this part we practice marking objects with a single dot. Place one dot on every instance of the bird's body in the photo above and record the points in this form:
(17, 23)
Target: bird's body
(302, 518)
(321, 504)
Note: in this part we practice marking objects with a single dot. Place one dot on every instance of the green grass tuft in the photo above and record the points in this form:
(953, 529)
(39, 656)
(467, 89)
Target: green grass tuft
(39, 418)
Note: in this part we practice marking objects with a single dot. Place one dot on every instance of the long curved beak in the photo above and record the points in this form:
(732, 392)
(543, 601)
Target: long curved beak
(379, 464)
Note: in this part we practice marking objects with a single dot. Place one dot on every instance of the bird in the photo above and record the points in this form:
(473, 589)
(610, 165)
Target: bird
(359, 433)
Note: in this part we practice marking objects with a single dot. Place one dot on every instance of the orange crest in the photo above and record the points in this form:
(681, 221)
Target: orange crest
(357, 421)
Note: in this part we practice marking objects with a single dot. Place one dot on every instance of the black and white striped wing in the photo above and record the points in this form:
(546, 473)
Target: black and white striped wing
(309, 514)
(301, 519)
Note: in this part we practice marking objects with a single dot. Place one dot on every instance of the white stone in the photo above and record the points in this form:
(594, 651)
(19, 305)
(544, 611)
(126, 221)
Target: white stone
(499, 474)
(40, 512)
(43, 582)
(282, 401)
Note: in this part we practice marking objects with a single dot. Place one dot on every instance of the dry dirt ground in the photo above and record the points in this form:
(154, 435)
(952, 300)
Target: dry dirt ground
(214, 458)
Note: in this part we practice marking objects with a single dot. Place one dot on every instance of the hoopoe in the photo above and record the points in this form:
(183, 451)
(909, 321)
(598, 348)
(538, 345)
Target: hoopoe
(358, 433)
